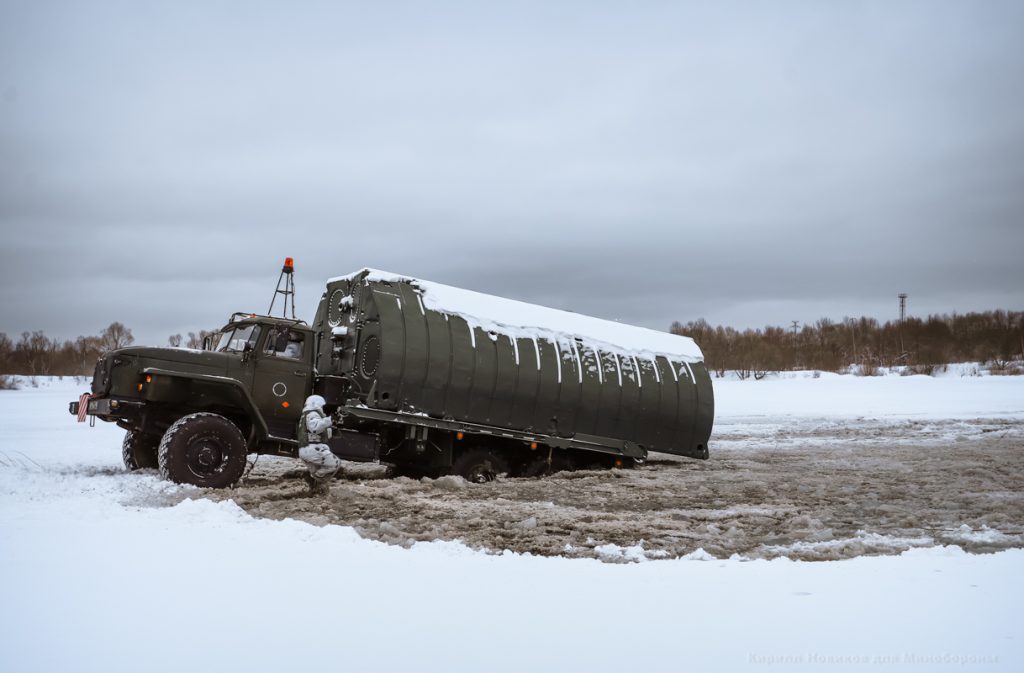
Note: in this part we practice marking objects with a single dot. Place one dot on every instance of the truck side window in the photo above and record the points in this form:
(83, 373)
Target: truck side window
(292, 349)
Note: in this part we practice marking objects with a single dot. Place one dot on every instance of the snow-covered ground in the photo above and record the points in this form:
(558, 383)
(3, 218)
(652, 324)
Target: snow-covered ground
(109, 571)
(952, 394)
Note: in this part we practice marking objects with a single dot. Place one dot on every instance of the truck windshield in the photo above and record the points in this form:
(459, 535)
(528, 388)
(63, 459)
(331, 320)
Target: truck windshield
(234, 340)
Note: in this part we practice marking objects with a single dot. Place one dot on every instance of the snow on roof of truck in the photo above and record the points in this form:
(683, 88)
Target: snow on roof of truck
(520, 319)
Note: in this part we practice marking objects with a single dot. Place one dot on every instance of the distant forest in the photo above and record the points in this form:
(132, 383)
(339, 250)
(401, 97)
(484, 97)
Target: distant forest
(36, 354)
(861, 345)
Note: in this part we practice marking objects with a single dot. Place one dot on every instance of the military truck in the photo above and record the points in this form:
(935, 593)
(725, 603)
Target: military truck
(427, 378)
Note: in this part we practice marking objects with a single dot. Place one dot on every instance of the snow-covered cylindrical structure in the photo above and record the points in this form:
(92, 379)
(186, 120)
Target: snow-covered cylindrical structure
(419, 347)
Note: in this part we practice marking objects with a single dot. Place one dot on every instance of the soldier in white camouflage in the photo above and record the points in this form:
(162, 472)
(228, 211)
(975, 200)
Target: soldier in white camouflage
(314, 431)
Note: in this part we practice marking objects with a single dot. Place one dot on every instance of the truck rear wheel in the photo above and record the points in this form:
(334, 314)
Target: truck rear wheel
(203, 449)
(139, 450)
(541, 466)
(415, 472)
(479, 466)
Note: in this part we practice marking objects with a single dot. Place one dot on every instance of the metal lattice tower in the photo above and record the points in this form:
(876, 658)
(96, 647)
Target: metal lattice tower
(903, 306)
(288, 290)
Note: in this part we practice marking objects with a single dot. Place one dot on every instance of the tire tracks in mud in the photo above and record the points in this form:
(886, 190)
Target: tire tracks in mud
(820, 491)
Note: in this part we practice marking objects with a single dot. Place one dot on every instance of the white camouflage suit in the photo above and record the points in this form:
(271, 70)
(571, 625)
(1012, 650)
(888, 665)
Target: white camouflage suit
(322, 464)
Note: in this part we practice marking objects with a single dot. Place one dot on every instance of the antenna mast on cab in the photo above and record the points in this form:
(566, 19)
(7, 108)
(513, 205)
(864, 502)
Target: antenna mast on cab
(288, 290)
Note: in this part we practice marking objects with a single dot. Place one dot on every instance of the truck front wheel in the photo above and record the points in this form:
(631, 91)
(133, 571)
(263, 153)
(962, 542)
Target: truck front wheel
(203, 449)
(138, 450)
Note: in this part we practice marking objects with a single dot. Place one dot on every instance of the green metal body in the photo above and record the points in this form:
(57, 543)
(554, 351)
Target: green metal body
(397, 356)
(414, 386)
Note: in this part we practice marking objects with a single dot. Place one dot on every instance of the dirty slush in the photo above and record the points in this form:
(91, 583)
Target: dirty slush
(812, 492)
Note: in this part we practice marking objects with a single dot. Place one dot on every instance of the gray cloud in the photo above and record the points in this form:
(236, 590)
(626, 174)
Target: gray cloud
(747, 164)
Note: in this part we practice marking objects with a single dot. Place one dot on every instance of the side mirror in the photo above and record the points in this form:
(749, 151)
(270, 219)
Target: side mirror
(207, 343)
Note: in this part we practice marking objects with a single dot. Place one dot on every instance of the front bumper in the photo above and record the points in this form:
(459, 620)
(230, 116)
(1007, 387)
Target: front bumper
(107, 407)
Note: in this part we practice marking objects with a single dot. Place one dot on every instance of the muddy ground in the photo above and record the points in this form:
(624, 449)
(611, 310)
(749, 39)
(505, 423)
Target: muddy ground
(812, 491)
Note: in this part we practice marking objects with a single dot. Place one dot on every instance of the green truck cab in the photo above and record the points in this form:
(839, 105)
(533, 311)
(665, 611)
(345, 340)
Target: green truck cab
(425, 386)
(241, 394)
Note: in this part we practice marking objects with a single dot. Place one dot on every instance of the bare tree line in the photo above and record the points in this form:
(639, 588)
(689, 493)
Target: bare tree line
(992, 337)
(35, 354)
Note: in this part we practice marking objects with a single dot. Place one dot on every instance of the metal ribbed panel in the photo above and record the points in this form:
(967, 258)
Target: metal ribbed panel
(436, 364)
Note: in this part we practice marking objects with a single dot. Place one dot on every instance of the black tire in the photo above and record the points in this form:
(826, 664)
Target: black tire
(203, 449)
(595, 464)
(479, 466)
(541, 467)
(415, 472)
(139, 451)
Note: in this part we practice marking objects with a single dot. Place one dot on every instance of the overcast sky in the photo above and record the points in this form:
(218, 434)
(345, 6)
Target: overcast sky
(751, 164)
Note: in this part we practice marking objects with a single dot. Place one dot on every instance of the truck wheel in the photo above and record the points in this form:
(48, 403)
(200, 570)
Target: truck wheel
(415, 472)
(539, 467)
(138, 451)
(203, 449)
(479, 466)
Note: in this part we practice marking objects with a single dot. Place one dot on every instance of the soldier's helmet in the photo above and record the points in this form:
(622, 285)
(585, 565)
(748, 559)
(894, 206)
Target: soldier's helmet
(314, 402)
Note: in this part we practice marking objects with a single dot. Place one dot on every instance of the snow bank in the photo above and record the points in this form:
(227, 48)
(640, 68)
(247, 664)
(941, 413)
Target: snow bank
(518, 319)
(202, 586)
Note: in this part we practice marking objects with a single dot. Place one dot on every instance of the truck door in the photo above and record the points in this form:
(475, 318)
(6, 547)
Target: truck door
(283, 378)
(241, 341)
